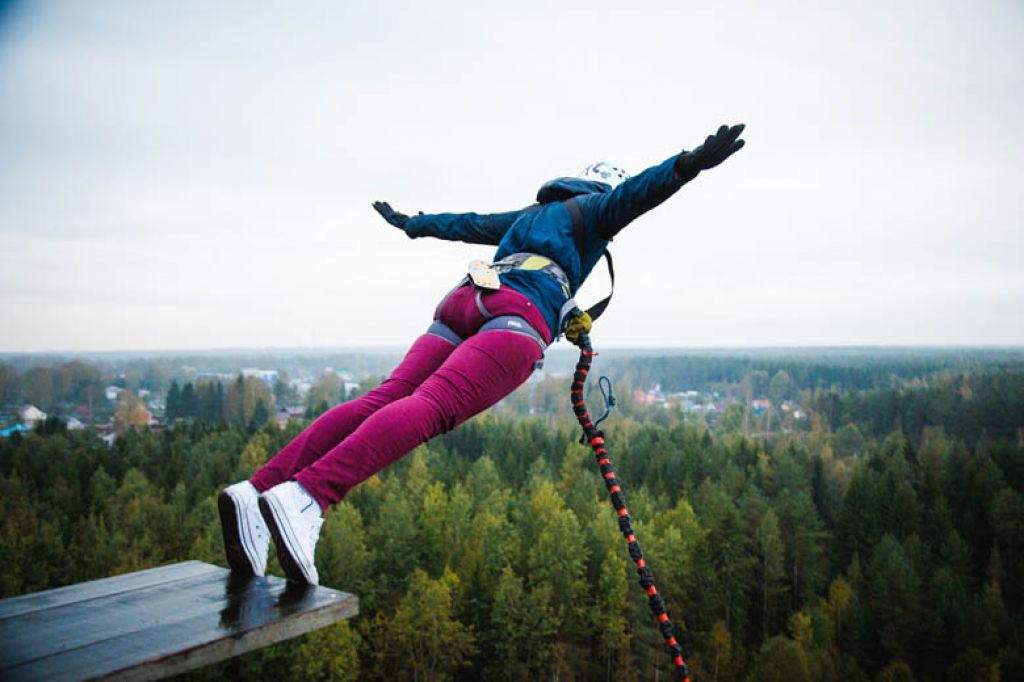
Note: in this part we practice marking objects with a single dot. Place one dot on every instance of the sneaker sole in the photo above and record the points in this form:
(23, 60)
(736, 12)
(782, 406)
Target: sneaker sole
(238, 560)
(293, 570)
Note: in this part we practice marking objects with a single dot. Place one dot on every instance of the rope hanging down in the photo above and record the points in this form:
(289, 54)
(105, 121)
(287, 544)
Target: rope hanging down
(596, 439)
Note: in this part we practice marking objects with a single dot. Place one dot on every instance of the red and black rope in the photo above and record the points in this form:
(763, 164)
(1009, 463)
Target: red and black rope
(596, 439)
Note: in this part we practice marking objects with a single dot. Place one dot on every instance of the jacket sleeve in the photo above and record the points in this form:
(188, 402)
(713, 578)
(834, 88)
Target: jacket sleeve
(472, 228)
(634, 197)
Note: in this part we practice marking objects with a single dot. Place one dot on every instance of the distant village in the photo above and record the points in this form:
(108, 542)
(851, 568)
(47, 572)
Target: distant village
(709, 404)
(150, 407)
(285, 399)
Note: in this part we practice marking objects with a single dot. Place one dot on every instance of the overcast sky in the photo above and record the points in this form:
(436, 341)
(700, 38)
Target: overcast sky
(199, 175)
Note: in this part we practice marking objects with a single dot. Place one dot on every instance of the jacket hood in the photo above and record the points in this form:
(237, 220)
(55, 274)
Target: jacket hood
(561, 189)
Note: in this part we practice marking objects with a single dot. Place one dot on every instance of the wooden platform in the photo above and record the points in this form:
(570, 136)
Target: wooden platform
(152, 624)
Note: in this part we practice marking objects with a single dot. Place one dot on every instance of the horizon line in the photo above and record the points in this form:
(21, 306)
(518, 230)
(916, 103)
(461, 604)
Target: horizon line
(369, 349)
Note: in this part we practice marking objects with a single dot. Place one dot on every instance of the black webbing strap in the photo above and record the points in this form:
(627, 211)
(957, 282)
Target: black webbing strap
(595, 311)
(576, 215)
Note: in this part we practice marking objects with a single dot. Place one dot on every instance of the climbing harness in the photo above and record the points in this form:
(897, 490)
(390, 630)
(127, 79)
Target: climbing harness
(531, 261)
(596, 439)
(484, 275)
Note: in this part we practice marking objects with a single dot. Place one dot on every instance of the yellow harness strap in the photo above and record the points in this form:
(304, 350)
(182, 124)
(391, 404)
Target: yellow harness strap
(535, 263)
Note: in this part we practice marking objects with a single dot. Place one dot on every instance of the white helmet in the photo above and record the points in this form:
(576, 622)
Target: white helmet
(602, 171)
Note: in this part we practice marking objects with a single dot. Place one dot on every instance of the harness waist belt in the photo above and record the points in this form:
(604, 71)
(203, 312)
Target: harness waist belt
(533, 261)
(511, 323)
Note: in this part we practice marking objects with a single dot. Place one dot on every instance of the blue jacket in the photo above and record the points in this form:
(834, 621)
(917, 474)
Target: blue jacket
(545, 228)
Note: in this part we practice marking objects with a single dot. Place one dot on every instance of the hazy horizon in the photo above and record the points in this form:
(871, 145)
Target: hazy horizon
(557, 348)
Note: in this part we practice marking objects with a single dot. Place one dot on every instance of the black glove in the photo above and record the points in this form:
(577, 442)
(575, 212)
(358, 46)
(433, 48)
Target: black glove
(391, 215)
(716, 149)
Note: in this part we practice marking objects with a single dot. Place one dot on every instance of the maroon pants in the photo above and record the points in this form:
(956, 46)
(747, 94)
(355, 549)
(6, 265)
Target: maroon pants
(438, 385)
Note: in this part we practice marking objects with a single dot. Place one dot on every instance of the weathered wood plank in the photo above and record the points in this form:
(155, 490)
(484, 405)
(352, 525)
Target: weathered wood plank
(102, 588)
(160, 624)
(95, 620)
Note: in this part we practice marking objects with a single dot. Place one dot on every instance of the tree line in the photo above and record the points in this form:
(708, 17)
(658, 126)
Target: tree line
(45, 387)
(847, 370)
(247, 401)
(49, 381)
(968, 406)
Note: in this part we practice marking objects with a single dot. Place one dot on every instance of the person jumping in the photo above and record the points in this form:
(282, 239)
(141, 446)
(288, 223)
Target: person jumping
(488, 335)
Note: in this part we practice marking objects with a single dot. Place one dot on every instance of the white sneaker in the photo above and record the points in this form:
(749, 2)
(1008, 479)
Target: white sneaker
(246, 536)
(294, 519)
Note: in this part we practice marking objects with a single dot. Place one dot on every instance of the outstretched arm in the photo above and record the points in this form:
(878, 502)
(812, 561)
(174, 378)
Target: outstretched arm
(472, 228)
(639, 194)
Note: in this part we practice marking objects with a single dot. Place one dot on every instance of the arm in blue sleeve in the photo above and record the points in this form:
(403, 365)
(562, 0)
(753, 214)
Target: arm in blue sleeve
(634, 197)
(472, 228)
